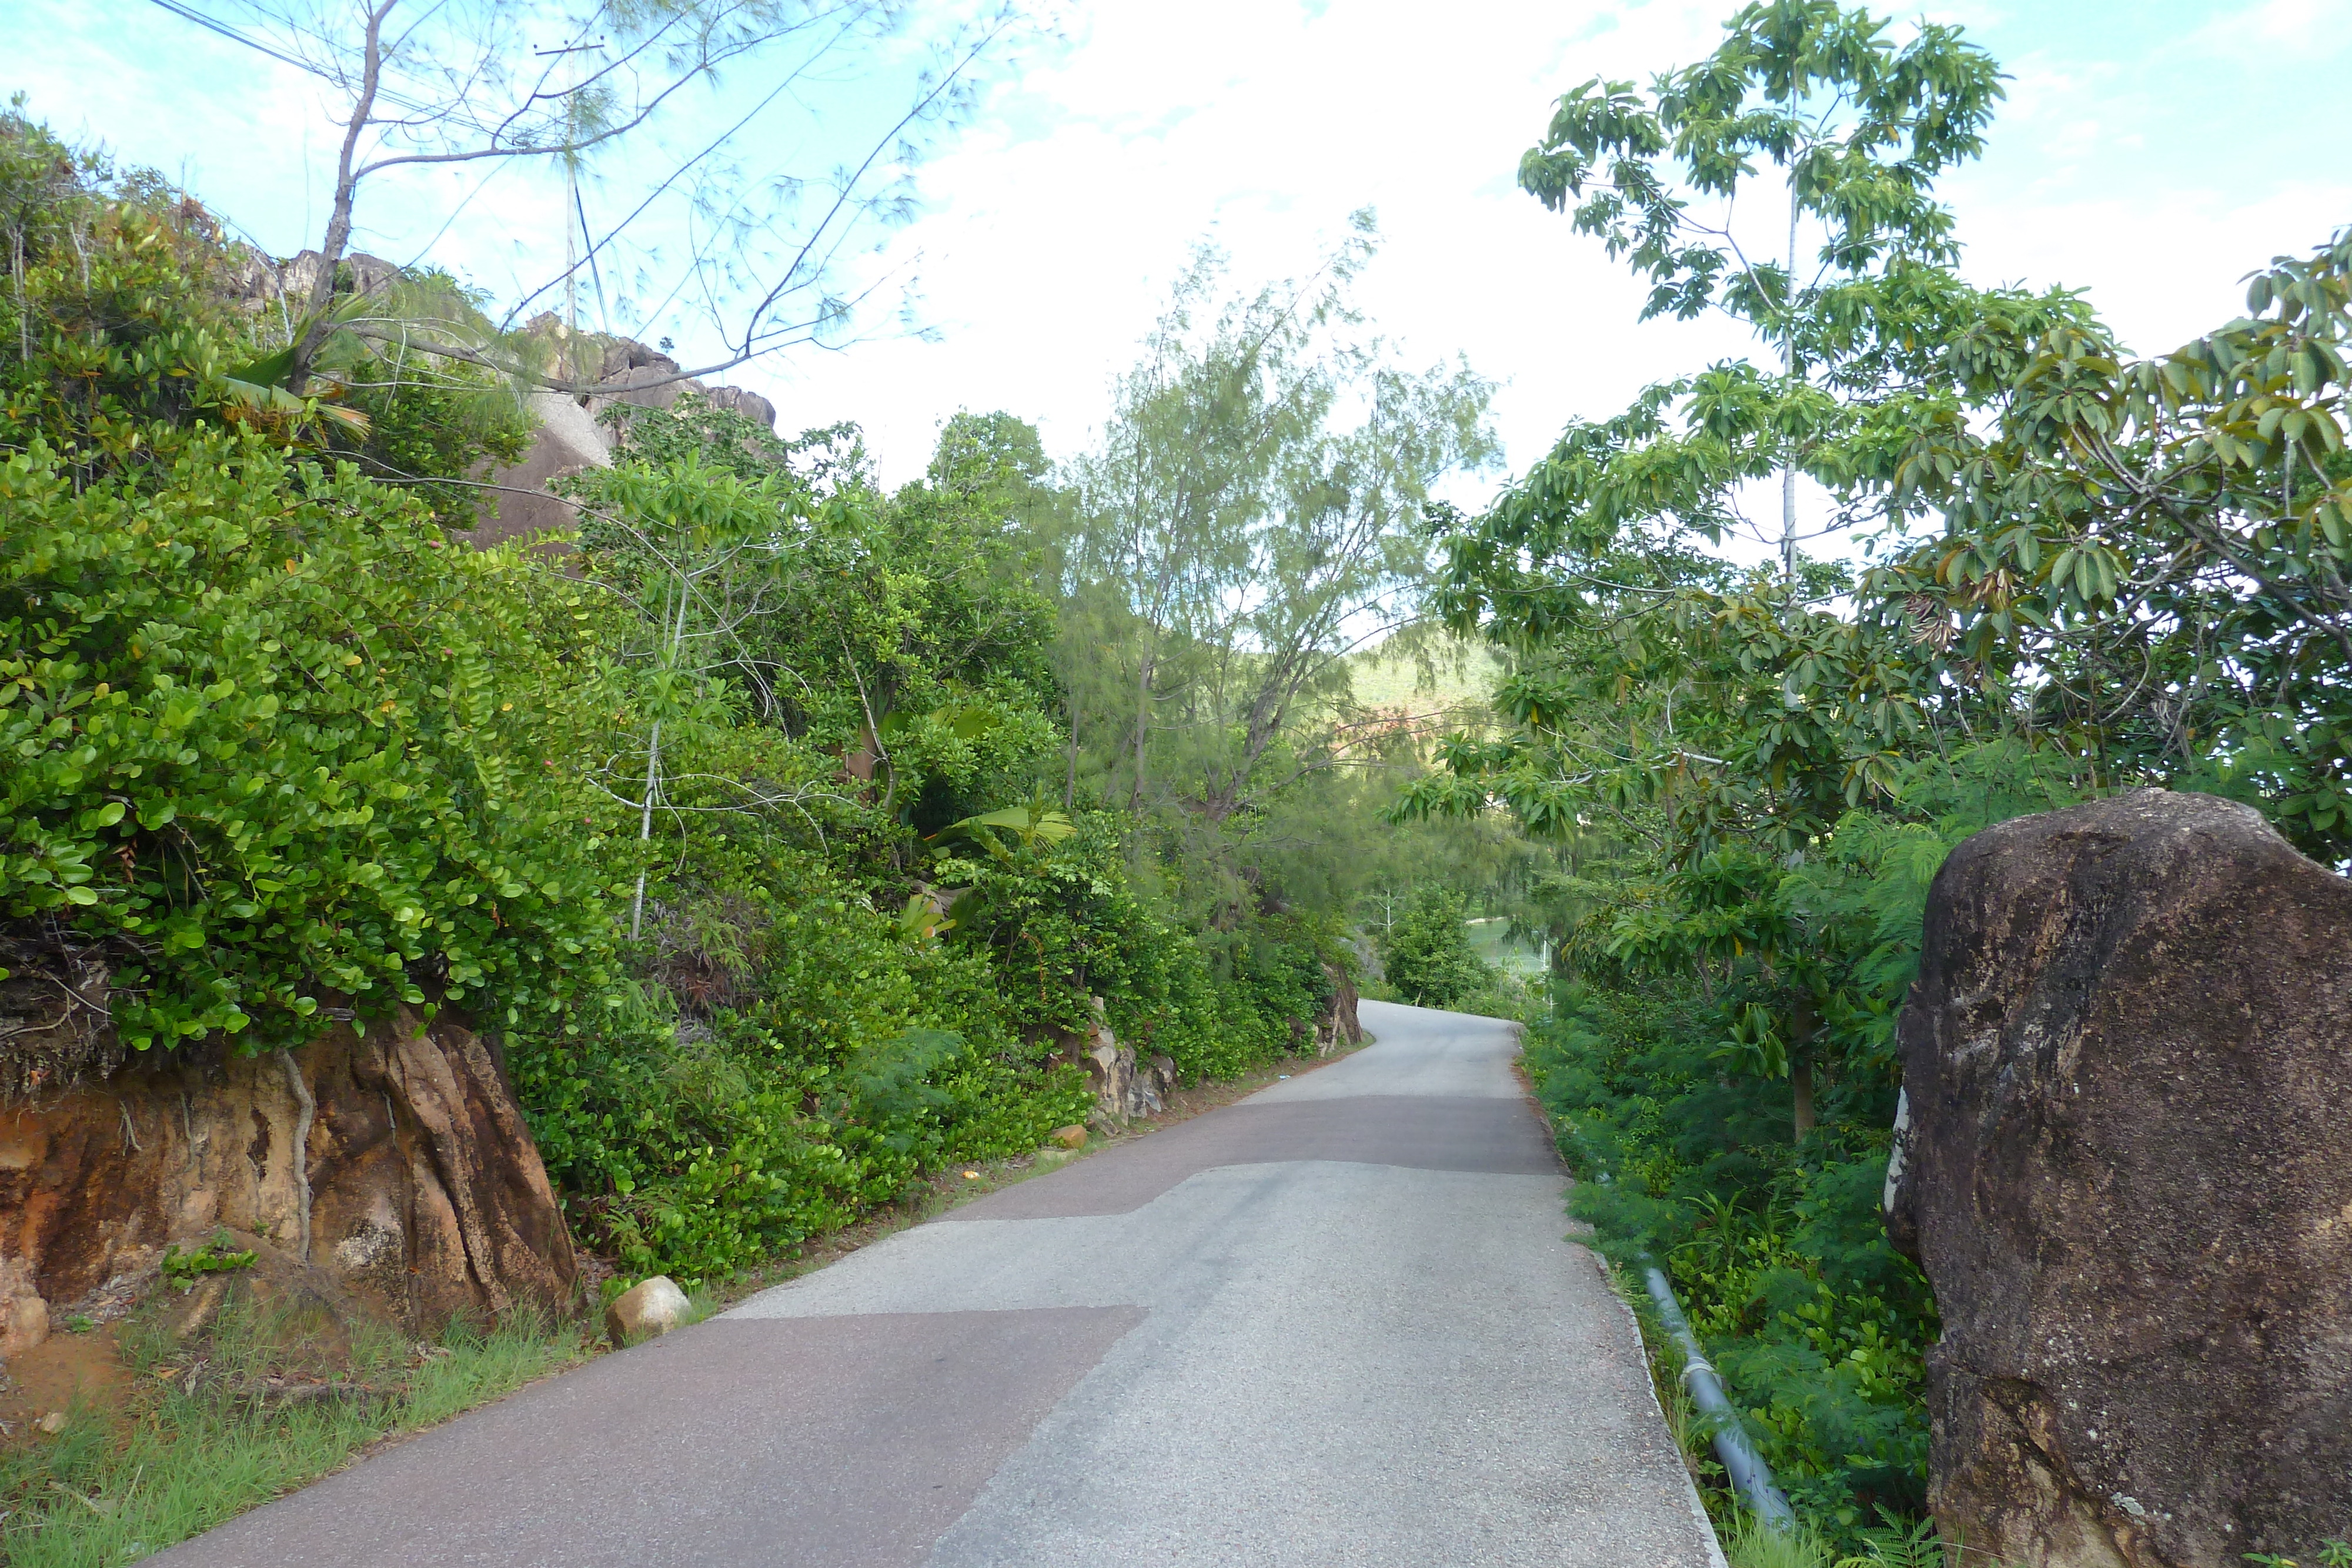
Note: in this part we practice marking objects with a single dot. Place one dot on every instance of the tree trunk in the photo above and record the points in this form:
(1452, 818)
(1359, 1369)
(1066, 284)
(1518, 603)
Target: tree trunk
(1805, 1023)
(1142, 729)
(1788, 365)
(339, 219)
(646, 827)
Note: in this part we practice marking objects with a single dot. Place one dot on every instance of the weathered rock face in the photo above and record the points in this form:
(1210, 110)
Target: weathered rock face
(1124, 1089)
(745, 401)
(1338, 1025)
(395, 1161)
(2127, 1065)
(568, 440)
(24, 1313)
(647, 378)
(297, 278)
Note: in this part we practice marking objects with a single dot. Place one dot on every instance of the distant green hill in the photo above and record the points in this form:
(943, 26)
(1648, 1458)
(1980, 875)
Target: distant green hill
(1463, 678)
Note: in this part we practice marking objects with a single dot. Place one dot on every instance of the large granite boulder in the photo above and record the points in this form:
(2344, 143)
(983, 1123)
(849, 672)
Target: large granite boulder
(573, 435)
(570, 436)
(745, 401)
(568, 440)
(362, 272)
(2127, 1170)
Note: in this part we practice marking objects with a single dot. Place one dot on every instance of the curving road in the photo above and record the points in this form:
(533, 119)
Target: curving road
(1335, 1323)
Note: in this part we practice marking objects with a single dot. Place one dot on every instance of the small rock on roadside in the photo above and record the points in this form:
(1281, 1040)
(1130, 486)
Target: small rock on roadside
(1070, 1137)
(53, 1423)
(645, 1310)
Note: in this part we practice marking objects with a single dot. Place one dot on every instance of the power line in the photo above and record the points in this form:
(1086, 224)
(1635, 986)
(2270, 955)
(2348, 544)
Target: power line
(226, 31)
(214, 23)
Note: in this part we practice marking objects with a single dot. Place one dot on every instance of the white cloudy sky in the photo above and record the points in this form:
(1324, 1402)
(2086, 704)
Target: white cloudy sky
(2152, 150)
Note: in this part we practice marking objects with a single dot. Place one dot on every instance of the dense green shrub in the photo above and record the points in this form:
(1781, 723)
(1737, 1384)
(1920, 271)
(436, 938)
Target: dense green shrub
(858, 1060)
(274, 747)
(269, 741)
(808, 1054)
(1775, 1247)
(881, 977)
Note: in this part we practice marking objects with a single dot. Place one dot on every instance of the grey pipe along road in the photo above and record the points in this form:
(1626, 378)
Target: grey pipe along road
(1334, 1323)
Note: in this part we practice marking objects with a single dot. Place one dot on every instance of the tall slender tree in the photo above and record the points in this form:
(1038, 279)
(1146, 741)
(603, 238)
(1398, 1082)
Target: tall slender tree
(1255, 509)
(1853, 128)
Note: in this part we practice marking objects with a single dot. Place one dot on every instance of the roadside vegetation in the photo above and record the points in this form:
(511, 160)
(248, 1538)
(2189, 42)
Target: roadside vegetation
(2087, 572)
(784, 827)
(782, 830)
(1429, 957)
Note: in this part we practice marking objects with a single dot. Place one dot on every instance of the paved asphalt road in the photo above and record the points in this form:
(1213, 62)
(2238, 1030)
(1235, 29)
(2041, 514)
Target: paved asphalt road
(1333, 1324)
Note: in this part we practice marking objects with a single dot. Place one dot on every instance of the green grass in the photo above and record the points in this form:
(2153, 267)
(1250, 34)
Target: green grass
(1747, 1544)
(198, 1448)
